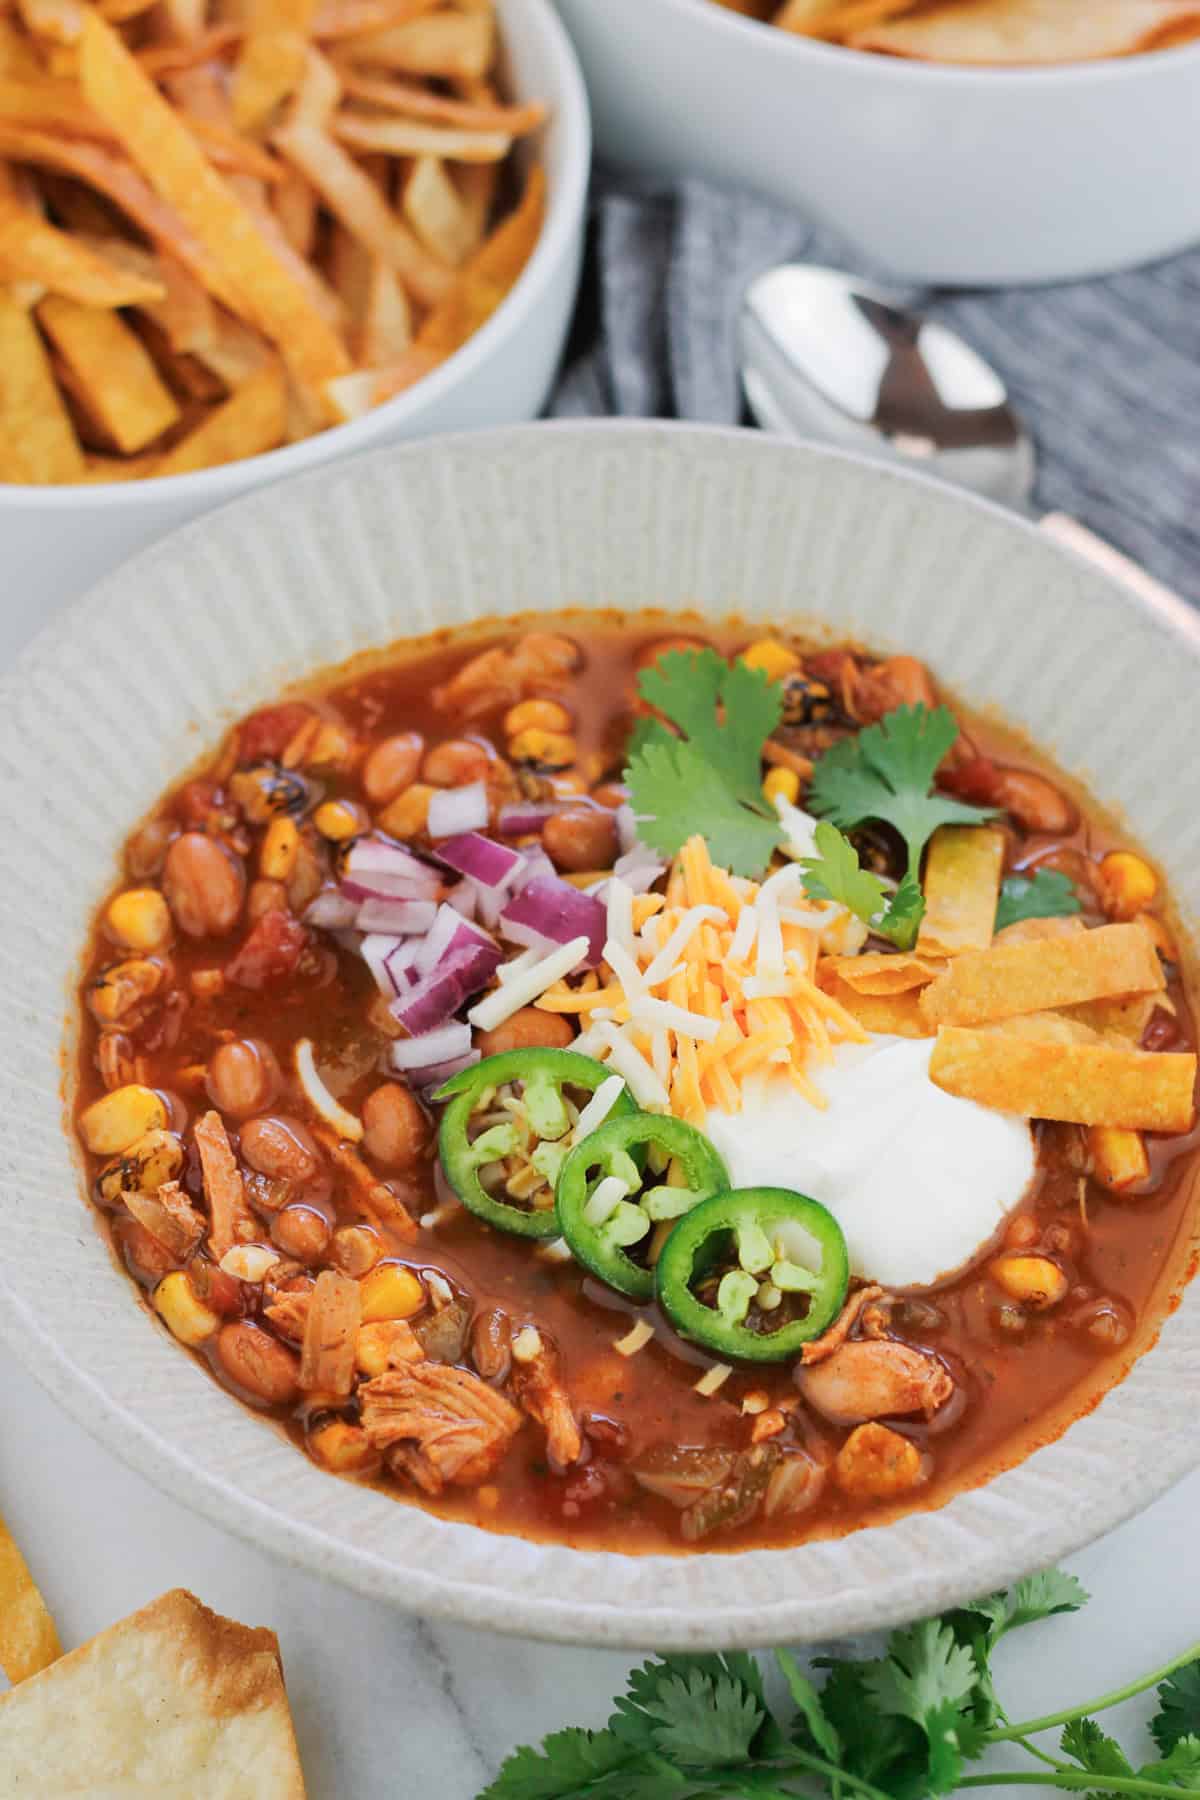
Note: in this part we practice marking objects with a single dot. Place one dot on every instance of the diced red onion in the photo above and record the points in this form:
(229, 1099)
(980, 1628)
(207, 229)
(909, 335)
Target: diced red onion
(330, 911)
(524, 817)
(401, 964)
(465, 964)
(537, 863)
(433, 1047)
(433, 1077)
(392, 887)
(627, 831)
(453, 811)
(402, 918)
(379, 856)
(375, 949)
(489, 864)
(550, 911)
(446, 926)
(464, 898)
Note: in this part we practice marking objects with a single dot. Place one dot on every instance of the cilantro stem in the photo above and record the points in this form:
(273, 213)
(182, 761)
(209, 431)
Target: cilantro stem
(817, 1764)
(1079, 1781)
(1027, 1727)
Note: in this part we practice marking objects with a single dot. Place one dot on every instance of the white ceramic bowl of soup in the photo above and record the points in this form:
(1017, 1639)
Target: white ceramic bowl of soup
(58, 540)
(974, 176)
(118, 697)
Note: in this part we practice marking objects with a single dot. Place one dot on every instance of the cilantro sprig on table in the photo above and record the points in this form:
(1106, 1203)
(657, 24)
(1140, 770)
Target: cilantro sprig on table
(897, 1727)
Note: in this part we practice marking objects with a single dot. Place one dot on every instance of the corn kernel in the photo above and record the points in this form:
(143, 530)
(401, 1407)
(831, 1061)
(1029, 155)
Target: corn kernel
(342, 1447)
(781, 784)
(280, 848)
(115, 1122)
(338, 820)
(331, 747)
(876, 1463)
(145, 1166)
(408, 814)
(119, 990)
(773, 658)
(140, 919)
(546, 715)
(391, 1291)
(184, 1316)
(1127, 885)
(1033, 1280)
(1119, 1158)
(547, 749)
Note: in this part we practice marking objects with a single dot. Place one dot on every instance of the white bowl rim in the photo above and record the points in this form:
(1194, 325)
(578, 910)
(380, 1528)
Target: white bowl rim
(1100, 69)
(565, 209)
(118, 1427)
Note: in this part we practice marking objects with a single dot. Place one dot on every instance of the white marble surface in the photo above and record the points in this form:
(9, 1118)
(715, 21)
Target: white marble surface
(391, 1708)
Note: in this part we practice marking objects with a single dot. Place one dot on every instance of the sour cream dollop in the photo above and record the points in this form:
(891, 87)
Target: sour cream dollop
(918, 1179)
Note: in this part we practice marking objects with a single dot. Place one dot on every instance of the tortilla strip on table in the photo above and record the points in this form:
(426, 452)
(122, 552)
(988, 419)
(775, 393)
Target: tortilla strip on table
(962, 886)
(981, 985)
(28, 1639)
(1025, 31)
(173, 1700)
(1078, 1083)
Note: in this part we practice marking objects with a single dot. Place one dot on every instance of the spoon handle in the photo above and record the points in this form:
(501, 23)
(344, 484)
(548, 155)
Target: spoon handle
(1077, 537)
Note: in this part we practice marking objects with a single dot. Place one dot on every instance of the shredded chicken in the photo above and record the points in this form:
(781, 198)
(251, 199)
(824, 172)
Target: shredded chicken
(538, 1386)
(835, 1336)
(875, 1379)
(376, 1199)
(289, 1313)
(537, 663)
(230, 1220)
(170, 1218)
(330, 1334)
(439, 1425)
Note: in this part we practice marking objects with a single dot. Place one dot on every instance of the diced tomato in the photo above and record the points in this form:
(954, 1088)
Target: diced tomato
(270, 953)
(269, 732)
(827, 666)
(197, 803)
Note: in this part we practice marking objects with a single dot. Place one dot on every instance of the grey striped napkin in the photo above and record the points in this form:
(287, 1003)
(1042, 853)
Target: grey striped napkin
(1106, 373)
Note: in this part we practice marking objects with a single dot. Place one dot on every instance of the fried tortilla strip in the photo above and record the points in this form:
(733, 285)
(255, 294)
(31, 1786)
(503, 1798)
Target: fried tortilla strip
(32, 250)
(13, 466)
(167, 59)
(116, 379)
(174, 1700)
(61, 21)
(270, 64)
(387, 318)
(1079, 1083)
(350, 18)
(962, 886)
(1025, 31)
(891, 1015)
(434, 208)
(878, 974)
(1120, 1018)
(46, 104)
(1009, 979)
(295, 206)
(32, 413)
(28, 1640)
(419, 103)
(176, 167)
(252, 421)
(454, 45)
(407, 137)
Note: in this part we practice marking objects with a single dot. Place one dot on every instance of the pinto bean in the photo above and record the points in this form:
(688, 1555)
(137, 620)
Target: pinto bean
(261, 1366)
(204, 884)
(265, 896)
(583, 838)
(280, 1149)
(302, 1233)
(146, 849)
(1035, 803)
(527, 1030)
(392, 766)
(396, 1130)
(145, 1257)
(243, 1077)
(455, 763)
(897, 681)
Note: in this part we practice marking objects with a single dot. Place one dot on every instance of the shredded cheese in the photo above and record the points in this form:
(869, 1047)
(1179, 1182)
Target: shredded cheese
(598, 1107)
(634, 1340)
(628, 1061)
(518, 992)
(715, 1378)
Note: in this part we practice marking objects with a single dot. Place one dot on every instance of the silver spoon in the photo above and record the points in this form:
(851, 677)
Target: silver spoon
(824, 355)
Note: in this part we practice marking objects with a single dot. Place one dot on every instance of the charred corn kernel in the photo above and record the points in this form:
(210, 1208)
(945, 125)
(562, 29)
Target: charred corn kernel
(120, 990)
(342, 1447)
(140, 919)
(544, 715)
(773, 658)
(408, 814)
(1126, 883)
(115, 1122)
(153, 1159)
(391, 1291)
(1033, 1280)
(1164, 943)
(1119, 1158)
(184, 1316)
(338, 820)
(876, 1463)
(547, 749)
(781, 784)
(280, 848)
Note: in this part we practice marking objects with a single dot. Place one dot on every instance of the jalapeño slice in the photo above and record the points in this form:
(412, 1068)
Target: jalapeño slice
(505, 1171)
(606, 1205)
(754, 1274)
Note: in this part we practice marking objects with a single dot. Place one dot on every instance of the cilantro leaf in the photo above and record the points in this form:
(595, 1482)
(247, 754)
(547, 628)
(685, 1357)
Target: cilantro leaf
(1094, 1750)
(1041, 1596)
(886, 773)
(702, 1722)
(1048, 895)
(677, 794)
(880, 1748)
(929, 1677)
(725, 710)
(1178, 1714)
(1180, 1767)
(808, 1703)
(567, 1762)
(837, 874)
